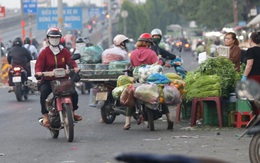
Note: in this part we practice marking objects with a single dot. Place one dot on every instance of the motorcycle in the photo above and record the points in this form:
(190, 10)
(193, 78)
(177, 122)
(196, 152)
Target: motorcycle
(59, 104)
(18, 78)
(250, 90)
(111, 108)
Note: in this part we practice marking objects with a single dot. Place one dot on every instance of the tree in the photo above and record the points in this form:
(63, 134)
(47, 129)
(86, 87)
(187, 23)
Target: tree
(143, 18)
(210, 13)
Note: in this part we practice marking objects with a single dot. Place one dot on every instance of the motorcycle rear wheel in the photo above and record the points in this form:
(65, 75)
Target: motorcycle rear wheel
(68, 122)
(18, 92)
(254, 149)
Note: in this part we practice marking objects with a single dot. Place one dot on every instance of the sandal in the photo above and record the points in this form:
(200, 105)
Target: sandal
(77, 117)
(127, 127)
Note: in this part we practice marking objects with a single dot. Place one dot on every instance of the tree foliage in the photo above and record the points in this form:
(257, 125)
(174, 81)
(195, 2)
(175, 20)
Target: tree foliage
(210, 14)
(142, 18)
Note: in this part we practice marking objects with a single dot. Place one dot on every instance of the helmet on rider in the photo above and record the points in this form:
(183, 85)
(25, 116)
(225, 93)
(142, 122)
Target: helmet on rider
(27, 40)
(54, 35)
(146, 37)
(79, 40)
(119, 39)
(156, 31)
(17, 41)
(157, 35)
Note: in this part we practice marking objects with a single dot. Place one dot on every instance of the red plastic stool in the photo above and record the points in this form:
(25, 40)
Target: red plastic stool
(200, 101)
(238, 121)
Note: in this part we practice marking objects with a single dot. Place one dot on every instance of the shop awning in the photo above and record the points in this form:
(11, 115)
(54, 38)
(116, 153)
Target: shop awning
(254, 21)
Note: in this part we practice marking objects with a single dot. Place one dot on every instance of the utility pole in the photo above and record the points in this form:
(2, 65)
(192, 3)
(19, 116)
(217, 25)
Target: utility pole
(109, 23)
(235, 12)
(60, 16)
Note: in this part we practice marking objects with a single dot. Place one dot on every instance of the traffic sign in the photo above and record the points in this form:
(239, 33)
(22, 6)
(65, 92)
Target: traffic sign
(95, 12)
(48, 17)
(29, 6)
(2, 11)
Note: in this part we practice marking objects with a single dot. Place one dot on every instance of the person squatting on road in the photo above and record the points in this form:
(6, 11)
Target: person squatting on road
(144, 55)
(51, 57)
(18, 56)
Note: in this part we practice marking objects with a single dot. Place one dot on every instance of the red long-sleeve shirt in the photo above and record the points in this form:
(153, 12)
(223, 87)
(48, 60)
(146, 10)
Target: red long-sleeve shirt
(144, 55)
(47, 61)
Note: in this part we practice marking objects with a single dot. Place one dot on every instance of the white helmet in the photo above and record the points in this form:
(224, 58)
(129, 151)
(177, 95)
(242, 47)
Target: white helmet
(119, 39)
(156, 31)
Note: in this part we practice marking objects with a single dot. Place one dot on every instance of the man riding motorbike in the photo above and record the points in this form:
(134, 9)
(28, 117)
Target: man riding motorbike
(19, 56)
(157, 36)
(118, 49)
(32, 49)
(54, 56)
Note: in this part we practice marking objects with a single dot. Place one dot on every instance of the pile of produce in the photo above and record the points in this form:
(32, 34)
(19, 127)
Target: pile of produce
(221, 67)
(141, 73)
(199, 86)
(159, 89)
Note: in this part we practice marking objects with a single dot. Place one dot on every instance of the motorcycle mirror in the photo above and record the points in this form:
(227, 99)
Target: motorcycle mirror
(75, 56)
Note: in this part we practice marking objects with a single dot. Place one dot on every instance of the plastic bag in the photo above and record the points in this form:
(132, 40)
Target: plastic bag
(117, 67)
(127, 96)
(117, 91)
(158, 78)
(171, 95)
(148, 93)
(123, 80)
(91, 54)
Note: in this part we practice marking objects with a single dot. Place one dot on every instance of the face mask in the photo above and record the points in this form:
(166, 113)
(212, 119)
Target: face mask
(156, 40)
(54, 41)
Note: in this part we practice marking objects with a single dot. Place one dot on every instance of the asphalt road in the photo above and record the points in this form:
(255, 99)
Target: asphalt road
(23, 140)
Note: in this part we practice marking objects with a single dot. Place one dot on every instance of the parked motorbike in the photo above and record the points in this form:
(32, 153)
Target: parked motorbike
(250, 90)
(59, 104)
(18, 79)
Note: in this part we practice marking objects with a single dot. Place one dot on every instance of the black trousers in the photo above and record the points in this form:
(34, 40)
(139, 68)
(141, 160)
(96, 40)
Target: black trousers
(45, 89)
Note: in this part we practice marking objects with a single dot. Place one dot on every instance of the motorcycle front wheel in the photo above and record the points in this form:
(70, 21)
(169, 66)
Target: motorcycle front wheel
(254, 149)
(68, 122)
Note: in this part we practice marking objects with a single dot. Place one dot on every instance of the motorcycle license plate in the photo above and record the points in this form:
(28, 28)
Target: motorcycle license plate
(17, 79)
(101, 96)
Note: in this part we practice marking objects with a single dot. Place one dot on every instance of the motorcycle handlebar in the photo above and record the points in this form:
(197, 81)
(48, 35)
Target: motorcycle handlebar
(58, 73)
